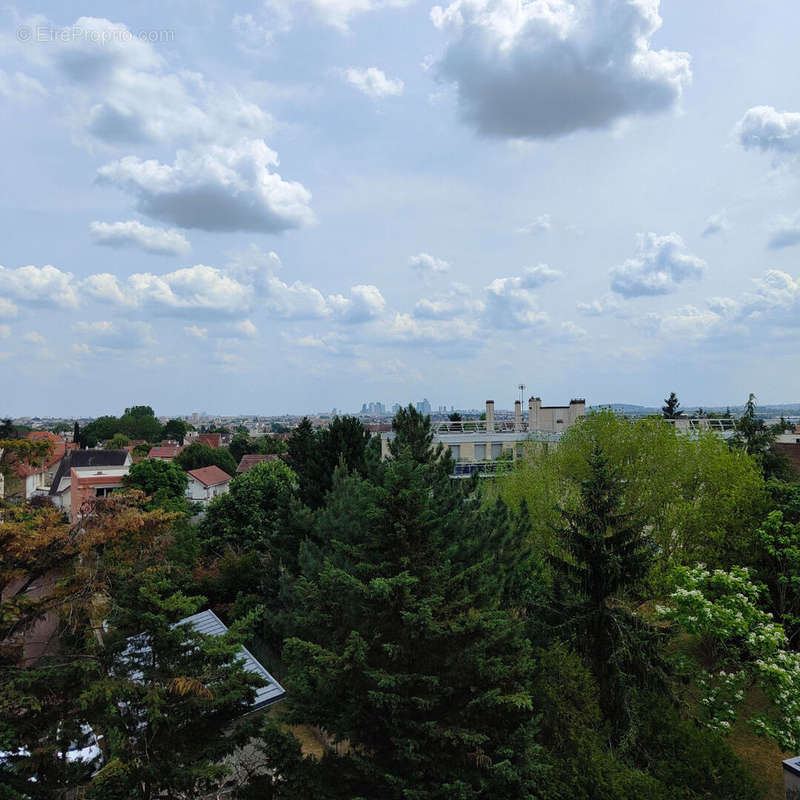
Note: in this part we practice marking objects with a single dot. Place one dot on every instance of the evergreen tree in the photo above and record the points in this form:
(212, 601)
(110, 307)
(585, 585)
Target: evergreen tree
(413, 430)
(607, 554)
(671, 409)
(404, 652)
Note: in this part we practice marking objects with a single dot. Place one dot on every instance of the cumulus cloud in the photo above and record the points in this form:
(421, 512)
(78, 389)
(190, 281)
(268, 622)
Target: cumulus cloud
(428, 265)
(5, 331)
(245, 329)
(373, 82)
(243, 287)
(607, 304)
(540, 224)
(160, 241)
(457, 301)
(190, 291)
(785, 232)
(716, 223)
(365, 303)
(34, 337)
(660, 265)
(404, 329)
(511, 303)
(768, 130)
(214, 188)
(38, 286)
(771, 308)
(122, 92)
(546, 68)
(105, 335)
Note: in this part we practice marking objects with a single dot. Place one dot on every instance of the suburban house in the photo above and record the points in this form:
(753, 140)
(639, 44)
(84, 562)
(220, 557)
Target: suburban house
(86, 474)
(206, 483)
(249, 461)
(165, 452)
(37, 478)
(213, 440)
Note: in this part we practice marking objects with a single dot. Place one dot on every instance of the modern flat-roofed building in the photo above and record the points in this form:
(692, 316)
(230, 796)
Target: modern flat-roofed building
(488, 445)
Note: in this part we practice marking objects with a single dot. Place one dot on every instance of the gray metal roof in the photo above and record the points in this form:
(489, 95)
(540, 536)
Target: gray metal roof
(210, 624)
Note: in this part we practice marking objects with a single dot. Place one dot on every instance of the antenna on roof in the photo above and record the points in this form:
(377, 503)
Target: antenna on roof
(521, 387)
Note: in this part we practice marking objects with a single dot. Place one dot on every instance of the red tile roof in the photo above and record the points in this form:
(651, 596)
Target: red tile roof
(210, 476)
(249, 461)
(168, 451)
(211, 439)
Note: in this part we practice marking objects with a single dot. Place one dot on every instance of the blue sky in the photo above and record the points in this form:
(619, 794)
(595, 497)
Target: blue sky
(295, 205)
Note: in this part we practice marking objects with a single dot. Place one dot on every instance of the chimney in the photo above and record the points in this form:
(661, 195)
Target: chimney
(517, 415)
(534, 404)
(490, 415)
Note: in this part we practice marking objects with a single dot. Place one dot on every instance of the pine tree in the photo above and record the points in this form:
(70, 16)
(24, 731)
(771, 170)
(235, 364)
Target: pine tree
(671, 409)
(405, 652)
(606, 555)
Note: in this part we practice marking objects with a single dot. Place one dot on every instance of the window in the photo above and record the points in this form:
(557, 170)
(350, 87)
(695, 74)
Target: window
(455, 451)
(480, 452)
(104, 491)
(497, 450)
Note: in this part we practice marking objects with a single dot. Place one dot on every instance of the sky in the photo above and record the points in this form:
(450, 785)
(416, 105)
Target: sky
(290, 206)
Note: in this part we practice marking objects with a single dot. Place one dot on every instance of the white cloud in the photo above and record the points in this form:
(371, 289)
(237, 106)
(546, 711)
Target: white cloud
(365, 303)
(34, 337)
(120, 90)
(659, 266)
(5, 331)
(106, 335)
(196, 332)
(456, 302)
(39, 286)
(572, 332)
(511, 303)
(192, 290)
(133, 234)
(766, 129)
(245, 329)
(538, 225)
(546, 68)
(607, 304)
(429, 265)
(7, 309)
(373, 82)
(785, 232)
(770, 310)
(20, 87)
(401, 328)
(215, 188)
(716, 223)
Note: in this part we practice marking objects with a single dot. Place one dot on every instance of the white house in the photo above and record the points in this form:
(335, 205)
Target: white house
(207, 483)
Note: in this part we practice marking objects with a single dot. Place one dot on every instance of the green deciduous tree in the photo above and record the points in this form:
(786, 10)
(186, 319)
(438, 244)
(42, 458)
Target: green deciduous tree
(175, 429)
(164, 481)
(701, 499)
(197, 456)
(117, 442)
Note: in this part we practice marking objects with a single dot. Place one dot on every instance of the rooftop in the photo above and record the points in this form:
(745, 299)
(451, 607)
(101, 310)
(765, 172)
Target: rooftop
(210, 476)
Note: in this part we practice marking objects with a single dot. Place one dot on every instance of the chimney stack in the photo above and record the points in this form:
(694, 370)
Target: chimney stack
(517, 415)
(490, 415)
